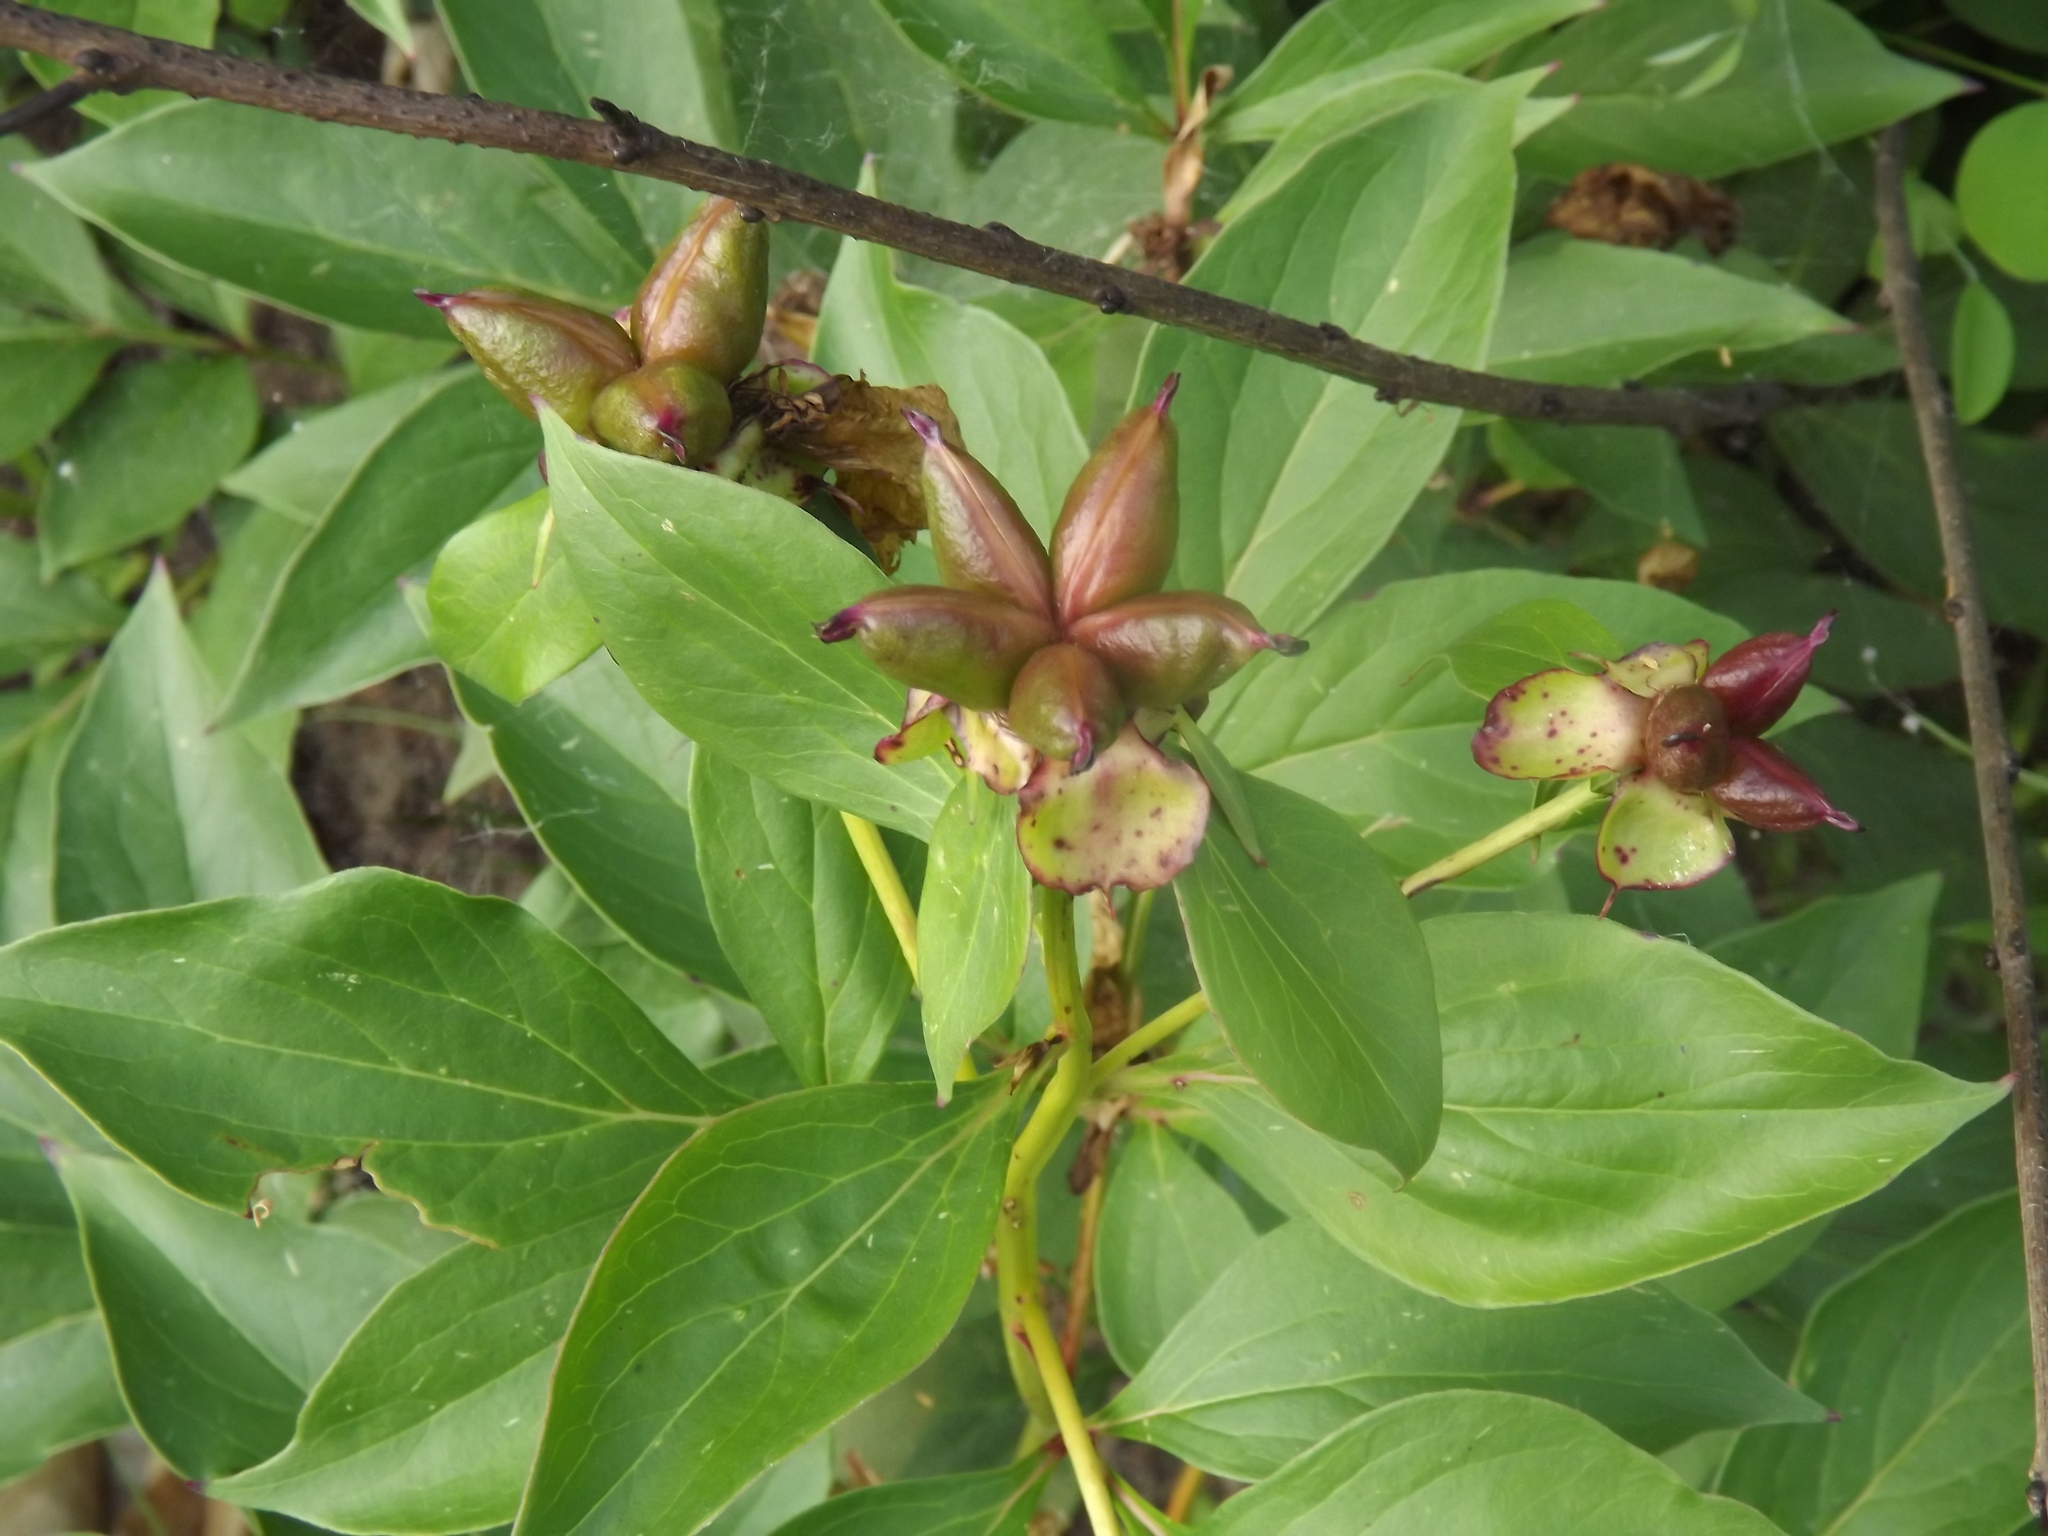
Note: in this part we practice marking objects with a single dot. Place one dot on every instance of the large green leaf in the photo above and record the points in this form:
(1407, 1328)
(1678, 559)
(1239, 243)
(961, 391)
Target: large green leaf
(478, 1065)
(1013, 413)
(336, 620)
(973, 922)
(656, 58)
(1856, 961)
(799, 919)
(505, 609)
(183, 21)
(995, 1503)
(1291, 480)
(1633, 472)
(54, 1373)
(1923, 1356)
(59, 1387)
(1054, 59)
(1299, 1337)
(1616, 1107)
(1371, 724)
(47, 255)
(342, 223)
(706, 593)
(1475, 1464)
(302, 472)
(1168, 1230)
(151, 442)
(1317, 972)
(218, 1325)
(1584, 312)
(44, 372)
(427, 1420)
(604, 782)
(153, 808)
(36, 618)
(794, 1259)
(1343, 43)
(2007, 156)
(1709, 87)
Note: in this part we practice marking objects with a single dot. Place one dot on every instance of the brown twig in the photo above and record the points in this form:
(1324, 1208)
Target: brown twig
(623, 141)
(1081, 1278)
(1995, 763)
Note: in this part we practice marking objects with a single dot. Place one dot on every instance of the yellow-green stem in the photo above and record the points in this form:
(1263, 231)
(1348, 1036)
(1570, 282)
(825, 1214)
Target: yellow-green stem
(1552, 813)
(874, 858)
(1034, 1353)
(1143, 1039)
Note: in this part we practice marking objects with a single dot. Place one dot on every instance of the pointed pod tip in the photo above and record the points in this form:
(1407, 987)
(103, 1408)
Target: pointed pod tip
(843, 625)
(440, 301)
(925, 428)
(1163, 401)
(1821, 628)
(1288, 645)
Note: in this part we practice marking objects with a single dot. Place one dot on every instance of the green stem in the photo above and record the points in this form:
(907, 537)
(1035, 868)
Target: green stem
(1916, 724)
(1141, 1040)
(1552, 813)
(1033, 1351)
(874, 858)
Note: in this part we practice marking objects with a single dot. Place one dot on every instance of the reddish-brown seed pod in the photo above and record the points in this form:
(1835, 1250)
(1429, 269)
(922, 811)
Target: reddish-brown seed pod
(964, 646)
(1758, 679)
(664, 411)
(1116, 533)
(529, 347)
(1066, 704)
(979, 538)
(1686, 738)
(1766, 789)
(705, 301)
(1169, 647)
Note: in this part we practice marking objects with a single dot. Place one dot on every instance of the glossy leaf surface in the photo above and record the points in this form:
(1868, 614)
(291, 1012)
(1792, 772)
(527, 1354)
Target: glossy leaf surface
(973, 922)
(505, 607)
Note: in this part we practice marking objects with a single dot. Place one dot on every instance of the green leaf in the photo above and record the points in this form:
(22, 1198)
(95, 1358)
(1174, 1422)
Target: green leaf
(973, 922)
(1530, 637)
(1584, 312)
(995, 1503)
(153, 808)
(1470, 1464)
(1924, 1358)
(2016, 23)
(1299, 1337)
(1856, 961)
(1341, 107)
(1013, 413)
(1995, 187)
(1292, 480)
(1708, 87)
(28, 873)
(1981, 349)
(152, 441)
(1344, 43)
(802, 1480)
(1633, 472)
(706, 593)
(428, 1418)
(799, 919)
(37, 619)
(372, 360)
(1168, 1230)
(792, 1260)
(479, 1066)
(336, 620)
(505, 608)
(1862, 463)
(42, 1275)
(47, 255)
(218, 1326)
(302, 472)
(1369, 725)
(1616, 1107)
(388, 17)
(1317, 972)
(182, 21)
(656, 58)
(342, 223)
(42, 379)
(1055, 60)
(604, 783)
(59, 1387)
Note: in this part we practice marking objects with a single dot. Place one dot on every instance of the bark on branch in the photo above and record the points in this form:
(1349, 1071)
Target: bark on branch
(112, 58)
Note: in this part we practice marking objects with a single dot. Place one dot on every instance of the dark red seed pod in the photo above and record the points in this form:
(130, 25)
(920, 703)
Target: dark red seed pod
(1169, 647)
(1766, 789)
(967, 647)
(1686, 738)
(1066, 704)
(1758, 679)
(979, 537)
(1116, 532)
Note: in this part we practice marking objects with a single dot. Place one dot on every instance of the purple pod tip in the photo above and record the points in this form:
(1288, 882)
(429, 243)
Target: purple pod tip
(441, 301)
(1084, 748)
(1287, 645)
(843, 625)
(669, 427)
(1163, 401)
(925, 428)
(540, 463)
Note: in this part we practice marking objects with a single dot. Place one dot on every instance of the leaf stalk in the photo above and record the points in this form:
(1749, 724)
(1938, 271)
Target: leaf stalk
(1546, 817)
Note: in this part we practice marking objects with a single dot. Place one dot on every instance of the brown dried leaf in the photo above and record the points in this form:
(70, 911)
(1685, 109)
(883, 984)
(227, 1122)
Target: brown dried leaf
(1623, 204)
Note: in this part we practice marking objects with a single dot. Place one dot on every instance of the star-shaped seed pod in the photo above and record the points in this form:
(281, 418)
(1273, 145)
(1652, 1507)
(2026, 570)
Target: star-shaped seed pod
(1030, 667)
(1682, 738)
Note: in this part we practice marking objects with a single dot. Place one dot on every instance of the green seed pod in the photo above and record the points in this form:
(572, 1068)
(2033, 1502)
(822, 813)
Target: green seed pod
(668, 411)
(966, 647)
(707, 298)
(1116, 532)
(1066, 704)
(528, 347)
(979, 538)
(1170, 647)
